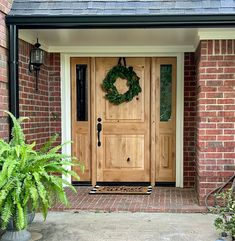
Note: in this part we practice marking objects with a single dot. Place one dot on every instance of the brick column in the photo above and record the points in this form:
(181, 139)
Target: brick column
(4, 9)
(189, 119)
(55, 95)
(215, 146)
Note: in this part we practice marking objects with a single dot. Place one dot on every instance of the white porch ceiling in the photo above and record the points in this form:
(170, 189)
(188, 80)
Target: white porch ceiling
(72, 40)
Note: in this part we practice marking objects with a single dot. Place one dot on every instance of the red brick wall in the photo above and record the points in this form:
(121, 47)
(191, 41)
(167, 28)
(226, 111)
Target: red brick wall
(215, 147)
(189, 119)
(55, 95)
(40, 106)
(5, 6)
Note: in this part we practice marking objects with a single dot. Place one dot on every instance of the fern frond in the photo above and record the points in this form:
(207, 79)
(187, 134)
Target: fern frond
(57, 148)
(73, 174)
(8, 185)
(10, 167)
(17, 132)
(46, 147)
(56, 169)
(3, 147)
(20, 218)
(44, 158)
(18, 190)
(40, 189)
(44, 209)
(26, 197)
(59, 190)
(3, 195)
(3, 180)
(34, 196)
(6, 213)
(69, 185)
(7, 163)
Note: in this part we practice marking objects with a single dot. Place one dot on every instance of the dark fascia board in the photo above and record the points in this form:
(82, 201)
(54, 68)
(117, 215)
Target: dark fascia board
(143, 21)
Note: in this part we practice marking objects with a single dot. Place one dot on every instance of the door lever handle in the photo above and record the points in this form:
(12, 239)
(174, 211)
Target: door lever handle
(99, 129)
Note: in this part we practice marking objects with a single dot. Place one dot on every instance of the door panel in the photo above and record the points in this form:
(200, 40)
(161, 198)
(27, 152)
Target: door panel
(124, 151)
(166, 99)
(125, 146)
(80, 83)
(130, 111)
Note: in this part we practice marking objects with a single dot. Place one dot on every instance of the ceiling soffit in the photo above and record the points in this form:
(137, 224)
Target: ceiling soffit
(163, 40)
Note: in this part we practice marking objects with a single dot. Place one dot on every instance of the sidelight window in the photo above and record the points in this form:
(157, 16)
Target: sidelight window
(165, 92)
(82, 92)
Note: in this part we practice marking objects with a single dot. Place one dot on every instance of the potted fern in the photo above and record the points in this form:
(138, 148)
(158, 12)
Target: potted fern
(28, 182)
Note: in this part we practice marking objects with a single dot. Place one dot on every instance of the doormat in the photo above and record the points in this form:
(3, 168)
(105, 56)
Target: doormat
(130, 190)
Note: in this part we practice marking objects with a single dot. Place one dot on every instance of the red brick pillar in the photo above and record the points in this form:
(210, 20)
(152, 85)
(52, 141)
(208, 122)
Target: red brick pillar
(55, 95)
(189, 119)
(4, 9)
(215, 118)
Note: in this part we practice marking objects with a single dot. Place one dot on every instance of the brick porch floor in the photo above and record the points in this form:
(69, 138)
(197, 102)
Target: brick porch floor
(161, 200)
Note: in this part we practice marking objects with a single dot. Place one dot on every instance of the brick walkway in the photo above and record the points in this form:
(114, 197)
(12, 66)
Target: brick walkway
(161, 200)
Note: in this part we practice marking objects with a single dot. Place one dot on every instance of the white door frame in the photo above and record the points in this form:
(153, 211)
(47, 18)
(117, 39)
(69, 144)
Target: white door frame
(66, 101)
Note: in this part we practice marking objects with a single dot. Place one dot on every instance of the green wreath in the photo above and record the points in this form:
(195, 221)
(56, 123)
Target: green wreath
(122, 72)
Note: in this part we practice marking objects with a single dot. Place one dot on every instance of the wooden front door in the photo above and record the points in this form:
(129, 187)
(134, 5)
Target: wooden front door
(137, 137)
(124, 154)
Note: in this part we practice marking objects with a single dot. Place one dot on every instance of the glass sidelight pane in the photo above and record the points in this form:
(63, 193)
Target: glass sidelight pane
(82, 92)
(166, 92)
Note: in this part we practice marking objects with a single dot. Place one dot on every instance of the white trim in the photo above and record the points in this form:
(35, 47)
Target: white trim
(66, 103)
(213, 34)
(180, 121)
(65, 107)
(99, 51)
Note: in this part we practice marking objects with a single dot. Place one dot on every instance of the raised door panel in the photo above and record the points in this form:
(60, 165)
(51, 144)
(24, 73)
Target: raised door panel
(124, 152)
(82, 152)
(166, 158)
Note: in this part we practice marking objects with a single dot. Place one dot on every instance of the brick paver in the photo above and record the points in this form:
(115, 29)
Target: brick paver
(161, 200)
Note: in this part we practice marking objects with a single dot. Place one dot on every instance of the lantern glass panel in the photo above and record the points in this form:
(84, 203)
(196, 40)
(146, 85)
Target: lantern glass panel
(37, 56)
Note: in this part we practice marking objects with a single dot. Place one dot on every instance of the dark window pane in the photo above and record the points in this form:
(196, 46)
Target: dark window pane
(166, 92)
(82, 93)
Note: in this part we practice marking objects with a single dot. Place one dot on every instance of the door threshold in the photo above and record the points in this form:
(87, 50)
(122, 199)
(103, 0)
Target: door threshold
(82, 183)
(124, 183)
(165, 184)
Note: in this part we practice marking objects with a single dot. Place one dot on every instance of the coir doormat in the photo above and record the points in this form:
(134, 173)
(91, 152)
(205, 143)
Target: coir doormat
(135, 190)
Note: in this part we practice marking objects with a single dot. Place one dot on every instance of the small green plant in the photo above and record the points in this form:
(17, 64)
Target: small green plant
(27, 177)
(225, 222)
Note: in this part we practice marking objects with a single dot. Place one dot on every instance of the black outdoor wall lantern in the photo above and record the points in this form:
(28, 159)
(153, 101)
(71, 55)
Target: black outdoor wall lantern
(36, 60)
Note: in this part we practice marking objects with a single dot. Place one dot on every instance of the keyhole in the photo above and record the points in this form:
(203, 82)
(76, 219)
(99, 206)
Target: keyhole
(128, 159)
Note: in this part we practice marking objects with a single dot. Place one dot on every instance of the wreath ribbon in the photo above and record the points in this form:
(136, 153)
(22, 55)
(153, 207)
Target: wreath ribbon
(120, 61)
